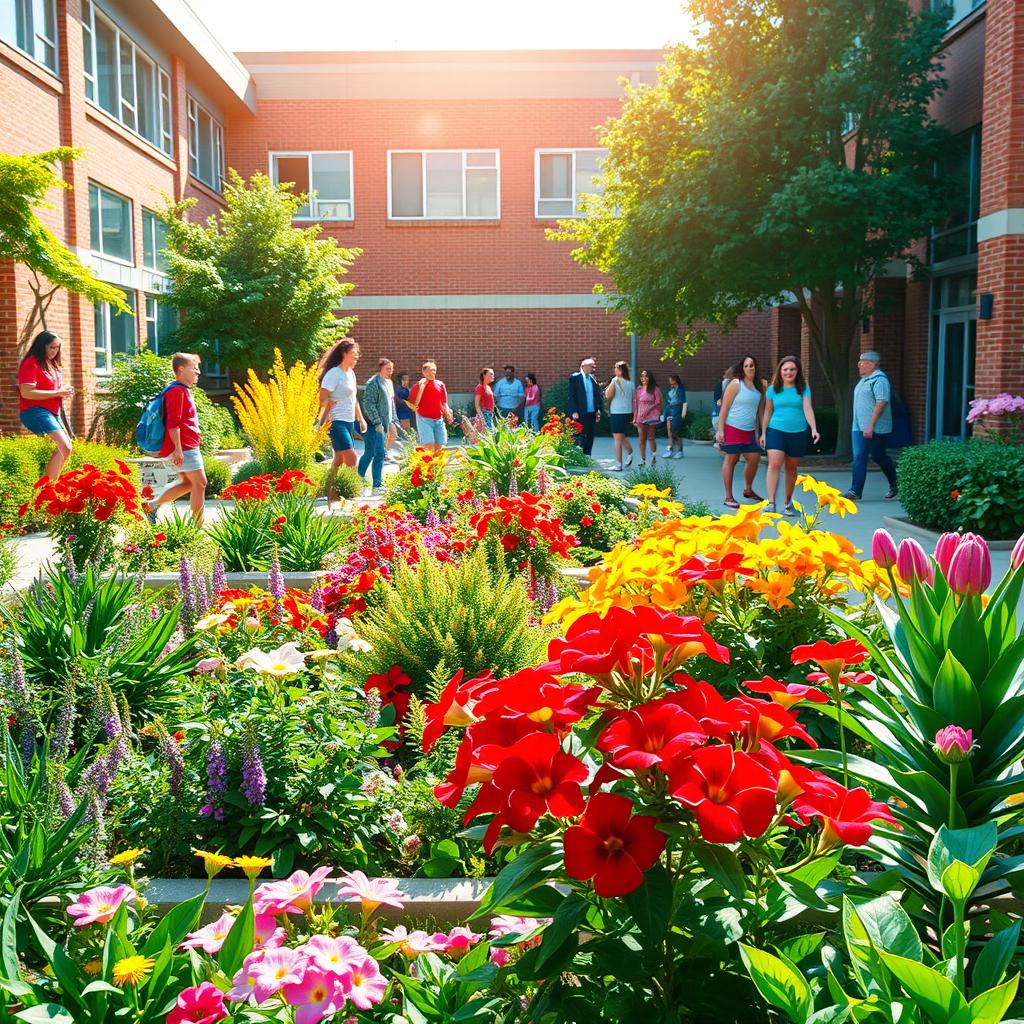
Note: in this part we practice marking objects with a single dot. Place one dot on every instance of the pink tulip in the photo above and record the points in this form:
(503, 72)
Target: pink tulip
(318, 996)
(953, 744)
(944, 548)
(1017, 555)
(912, 563)
(201, 1004)
(970, 569)
(883, 549)
(97, 906)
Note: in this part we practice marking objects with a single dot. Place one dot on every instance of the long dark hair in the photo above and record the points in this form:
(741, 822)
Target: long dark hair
(652, 384)
(532, 378)
(740, 375)
(624, 367)
(800, 383)
(37, 350)
(336, 354)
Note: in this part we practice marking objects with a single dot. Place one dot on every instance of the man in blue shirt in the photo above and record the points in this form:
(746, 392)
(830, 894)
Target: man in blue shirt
(872, 425)
(585, 402)
(509, 393)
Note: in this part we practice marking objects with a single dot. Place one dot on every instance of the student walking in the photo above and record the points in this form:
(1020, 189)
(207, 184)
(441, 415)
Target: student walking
(620, 408)
(429, 400)
(379, 410)
(675, 413)
(872, 426)
(401, 408)
(716, 396)
(742, 408)
(483, 397)
(531, 410)
(787, 415)
(339, 406)
(41, 390)
(647, 415)
(181, 439)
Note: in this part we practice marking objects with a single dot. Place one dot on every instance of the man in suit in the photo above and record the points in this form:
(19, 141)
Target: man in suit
(585, 402)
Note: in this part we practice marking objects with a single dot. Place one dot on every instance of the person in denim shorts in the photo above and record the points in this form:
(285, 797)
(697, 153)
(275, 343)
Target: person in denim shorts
(339, 405)
(429, 400)
(786, 417)
(41, 389)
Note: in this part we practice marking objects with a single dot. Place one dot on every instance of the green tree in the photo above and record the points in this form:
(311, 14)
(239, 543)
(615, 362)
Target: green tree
(787, 153)
(249, 282)
(24, 183)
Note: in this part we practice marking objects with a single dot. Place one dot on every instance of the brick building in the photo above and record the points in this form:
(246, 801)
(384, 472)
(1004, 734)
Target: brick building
(447, 169)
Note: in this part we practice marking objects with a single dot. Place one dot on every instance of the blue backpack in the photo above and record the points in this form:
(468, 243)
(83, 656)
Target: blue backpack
(149, 434)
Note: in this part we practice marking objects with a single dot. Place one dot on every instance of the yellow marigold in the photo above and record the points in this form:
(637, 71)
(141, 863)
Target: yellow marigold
(649, 491)
(132, 969)
(776, 587)
(127, 857)
(214, 863)
(93, 967)
(252, 866)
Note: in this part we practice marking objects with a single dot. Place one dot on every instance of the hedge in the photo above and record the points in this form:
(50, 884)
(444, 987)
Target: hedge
(971, 485)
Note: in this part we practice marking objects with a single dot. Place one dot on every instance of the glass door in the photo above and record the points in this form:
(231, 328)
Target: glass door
(954, 368)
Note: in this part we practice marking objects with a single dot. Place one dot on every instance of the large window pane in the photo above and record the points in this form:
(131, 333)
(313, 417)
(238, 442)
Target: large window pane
(44, 26)
(147, 100)
(114, 334)
(587, 165)
(296, 170)
(481, 193)
(127, 64)
(555, 175)
(106, 66)
(154, 241)
(110, 224)
(122, 334)
(563, 176)
(31, 26)
(161, 322)
(444, 185)
(332, 177)
(206, 146)
(406, 185)
(94, 218)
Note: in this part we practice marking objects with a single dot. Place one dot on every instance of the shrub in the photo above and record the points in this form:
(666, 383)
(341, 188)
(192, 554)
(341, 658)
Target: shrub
(956, 485)
(466, 616)
(697, 426)
(181, 537)
(218, 475)
(660, 477)
(20, 461)
(8, 563)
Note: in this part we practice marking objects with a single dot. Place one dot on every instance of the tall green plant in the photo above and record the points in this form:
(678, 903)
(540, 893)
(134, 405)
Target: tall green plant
(510, 453)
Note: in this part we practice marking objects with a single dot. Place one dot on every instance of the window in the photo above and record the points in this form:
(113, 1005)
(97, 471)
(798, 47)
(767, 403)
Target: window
(561, 175)
(110, 224)
(154, 241)
(124, 81)
(329, 175)
(205, 146)
(161, 322)
(443, 184)
(31, 26)
(115, 333)
(958, 235)
(958, 9)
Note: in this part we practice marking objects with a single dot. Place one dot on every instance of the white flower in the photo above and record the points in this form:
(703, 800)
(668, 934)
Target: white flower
(324, 654)
(287, 660)
(212, 620)
(347, 638)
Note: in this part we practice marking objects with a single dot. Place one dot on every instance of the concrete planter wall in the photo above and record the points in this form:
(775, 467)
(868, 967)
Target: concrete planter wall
(234, 456)
(922, 533)
(239, 580)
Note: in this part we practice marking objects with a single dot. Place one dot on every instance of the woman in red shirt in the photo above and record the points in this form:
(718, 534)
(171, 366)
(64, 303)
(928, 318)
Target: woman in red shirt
(40, 391)
(483, 397)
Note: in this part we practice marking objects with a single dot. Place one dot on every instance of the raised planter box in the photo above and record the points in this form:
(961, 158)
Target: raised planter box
(239, 580)
(445, 900)
(234, 456)
(931, 536)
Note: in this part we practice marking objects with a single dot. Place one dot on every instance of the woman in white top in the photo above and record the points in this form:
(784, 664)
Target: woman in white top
(742, 406)
(620, 398)
(339, 405)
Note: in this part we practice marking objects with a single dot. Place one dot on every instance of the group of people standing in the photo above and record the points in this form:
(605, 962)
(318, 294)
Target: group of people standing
(507, 397)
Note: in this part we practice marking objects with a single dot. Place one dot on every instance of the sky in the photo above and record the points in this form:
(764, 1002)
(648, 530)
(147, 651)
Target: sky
(443, 24)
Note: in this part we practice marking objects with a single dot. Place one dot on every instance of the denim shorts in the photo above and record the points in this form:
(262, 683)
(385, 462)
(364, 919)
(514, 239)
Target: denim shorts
(620, 421)
(793, 444)
(341, 435)
(192, 461)
(39, 420)
(430, 431)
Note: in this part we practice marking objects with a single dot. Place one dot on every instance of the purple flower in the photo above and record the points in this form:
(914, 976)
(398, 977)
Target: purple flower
(513, 486)
(61, 744)
(316, 596)
(254, 779)
(494, 491)
(542, 482)
(331, 638)
(277, 585)
(216, 781)
(65, 799)
(184, 579)
(202, 596)
(432, 521)
(219, 580)
(171, 753)
(70, 569)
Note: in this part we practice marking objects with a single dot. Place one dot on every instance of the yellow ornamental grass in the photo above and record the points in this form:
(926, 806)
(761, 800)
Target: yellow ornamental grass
(279, 415)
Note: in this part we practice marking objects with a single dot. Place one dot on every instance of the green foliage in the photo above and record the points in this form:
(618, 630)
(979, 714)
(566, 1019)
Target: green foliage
(734, 179)
(466, 616)
(509, 452)
(251, 282)
(218, 475)
(658, 475)
(182, 538)
(24, 182)
(697, 426)
(8, 563)
(955, 485)
(138, 379)
(597, 530)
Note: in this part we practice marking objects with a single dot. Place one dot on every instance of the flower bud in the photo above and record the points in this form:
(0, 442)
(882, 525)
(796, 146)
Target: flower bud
(953, 744)
(1017, 556)
(883, 549)
(970, 569)
(944, 548)
(912, 563)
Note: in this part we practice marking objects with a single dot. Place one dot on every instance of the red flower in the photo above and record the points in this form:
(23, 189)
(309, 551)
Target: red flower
(586, 521)
(730, 794)
(159, 538)
(833, 658)
(612, 845)
(148, 493)
(786, 694)
(454, 706)
(955, 495)
(509, 541)
(179, 737)
(651, 734)
(22, 509)
(765, 720)
(847, 814)
(595, 508)
(538, 695)
(698, 570)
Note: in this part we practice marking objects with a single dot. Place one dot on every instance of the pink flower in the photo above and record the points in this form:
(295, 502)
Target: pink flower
(944, 548)
(97, 906)
(293, 895)
(412, 944)
(367, 985)
(266, 933)
(210, 938)
(244, 981)
(883, 549)
(201, 1004)
(912, 563)
(970, 568)
(371, 891)
(319, 995)
(1017, 555)
(459, 939)
(336, 956)
(275, 969)
(505, 924)
(953, 744)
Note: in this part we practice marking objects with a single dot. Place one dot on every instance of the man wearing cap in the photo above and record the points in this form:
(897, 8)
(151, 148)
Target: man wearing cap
(872, 425)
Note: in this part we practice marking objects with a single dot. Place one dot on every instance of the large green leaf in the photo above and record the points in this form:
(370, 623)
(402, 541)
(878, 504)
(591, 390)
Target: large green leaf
(651, 905)
(530, 869)
(723, 866)
(994, 958)
(989, 1007)
(564, 924)
(783, 987)
(934, 993)
(972, 846)
(239, 942)
(956, 698)
(968, 643)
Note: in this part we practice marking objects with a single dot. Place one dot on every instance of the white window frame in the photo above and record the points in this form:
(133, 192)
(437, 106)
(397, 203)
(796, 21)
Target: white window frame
(574, 199)
(149, 226)
(314, 214)
(423, 178)
(217, 142)
(131, 226)
(102, 345)
(160, 81)
(34, 35)
(154, 318)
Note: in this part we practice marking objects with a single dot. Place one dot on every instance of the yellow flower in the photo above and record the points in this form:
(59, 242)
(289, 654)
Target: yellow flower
(649, 491)
(127, 857)
(776, 587)
(252, 866)
(132, 969)
(214, 863)
(93, 967)
(828, 497)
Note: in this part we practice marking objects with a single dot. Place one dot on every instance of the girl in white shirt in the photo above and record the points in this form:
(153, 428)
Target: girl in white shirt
(339, 405)
(620, 397)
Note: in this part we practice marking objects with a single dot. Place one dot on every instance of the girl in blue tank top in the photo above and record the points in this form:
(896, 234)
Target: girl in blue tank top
(787, 415)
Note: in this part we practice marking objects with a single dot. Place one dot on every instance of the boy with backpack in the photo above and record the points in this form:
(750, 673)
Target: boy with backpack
(181, 437)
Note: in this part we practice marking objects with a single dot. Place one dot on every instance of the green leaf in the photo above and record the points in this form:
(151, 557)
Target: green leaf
(800, 946)
(973, 847)
(102, 986)
(989, 1007)
(564, 924)
(45, 1012)
(8, 937)
(784, 988)
(723, 866)
(935, 994)
(651, 905)
(175, 925)
(239, 942)
(955, 696)
(529, 870)
(994, 958)
(830, 1015)
(959, 880)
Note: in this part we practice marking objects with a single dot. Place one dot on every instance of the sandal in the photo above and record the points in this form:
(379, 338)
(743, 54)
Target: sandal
(753, 495)
(731, 503)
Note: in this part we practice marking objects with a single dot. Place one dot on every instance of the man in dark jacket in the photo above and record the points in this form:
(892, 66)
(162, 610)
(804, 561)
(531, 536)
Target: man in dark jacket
(379, 409)
(585, 402)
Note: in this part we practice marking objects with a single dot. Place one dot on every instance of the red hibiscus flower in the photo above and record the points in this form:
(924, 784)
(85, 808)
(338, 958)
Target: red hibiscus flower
(847, 814)
(539, 696)
(765, 720)
(833, 658)
(612, 845)
(651, 734)
(786, 694)
(730, 794)
(717, 718)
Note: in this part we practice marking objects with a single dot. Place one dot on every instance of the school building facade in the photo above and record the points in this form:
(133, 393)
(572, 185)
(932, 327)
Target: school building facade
(447, 170)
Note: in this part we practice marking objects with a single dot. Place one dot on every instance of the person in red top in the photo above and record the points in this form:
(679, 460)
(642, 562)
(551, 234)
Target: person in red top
(483, 397)
(429, 400)
(41, 389)
(181, 438)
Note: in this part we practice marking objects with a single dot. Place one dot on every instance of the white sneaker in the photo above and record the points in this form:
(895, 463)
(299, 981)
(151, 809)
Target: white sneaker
(678, 454)
(667, 453)
(617, 468)
(629, 461)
